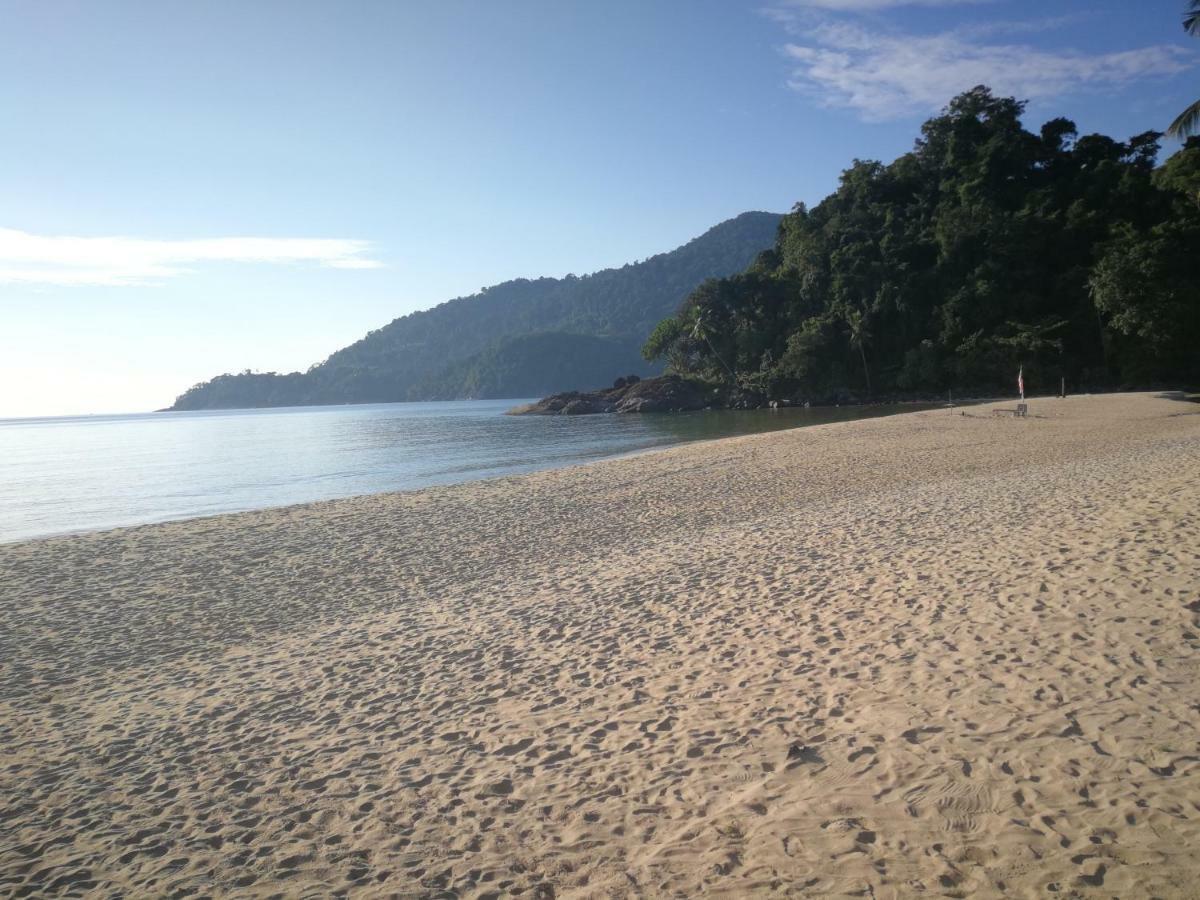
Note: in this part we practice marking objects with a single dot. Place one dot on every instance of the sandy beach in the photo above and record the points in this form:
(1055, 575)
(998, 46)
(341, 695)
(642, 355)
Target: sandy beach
(931, 654)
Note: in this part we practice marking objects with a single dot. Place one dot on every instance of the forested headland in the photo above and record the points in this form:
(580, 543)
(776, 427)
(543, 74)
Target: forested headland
(987, 248)
(521, 338)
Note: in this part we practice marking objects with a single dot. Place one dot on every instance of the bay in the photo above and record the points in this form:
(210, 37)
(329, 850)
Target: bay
(61, 475)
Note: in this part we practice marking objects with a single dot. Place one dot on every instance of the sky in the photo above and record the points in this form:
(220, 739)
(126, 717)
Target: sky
(193, 188)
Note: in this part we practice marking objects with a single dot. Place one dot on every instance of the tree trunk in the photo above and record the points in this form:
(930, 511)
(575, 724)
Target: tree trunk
(866, 371)
(720, 359)
(1103, 345)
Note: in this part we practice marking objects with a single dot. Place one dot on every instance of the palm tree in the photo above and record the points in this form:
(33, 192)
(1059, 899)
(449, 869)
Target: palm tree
(860, 336)
(1188, 121)
(1191, 19)
(701, 332)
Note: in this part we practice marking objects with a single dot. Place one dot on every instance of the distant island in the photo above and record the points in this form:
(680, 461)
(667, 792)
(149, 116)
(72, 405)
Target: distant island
(522, 338)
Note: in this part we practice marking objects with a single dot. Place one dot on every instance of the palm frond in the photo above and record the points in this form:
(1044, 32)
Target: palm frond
(1186, 123)
(1191, 19)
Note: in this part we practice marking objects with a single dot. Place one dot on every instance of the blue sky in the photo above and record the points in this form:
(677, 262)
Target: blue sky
(191, 188)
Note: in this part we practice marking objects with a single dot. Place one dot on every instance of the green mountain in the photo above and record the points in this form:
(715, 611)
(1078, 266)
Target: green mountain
(987, 249)
(530, 364)
(516, 339)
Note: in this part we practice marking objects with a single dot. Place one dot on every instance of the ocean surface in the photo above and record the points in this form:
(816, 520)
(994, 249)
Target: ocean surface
(60, 475)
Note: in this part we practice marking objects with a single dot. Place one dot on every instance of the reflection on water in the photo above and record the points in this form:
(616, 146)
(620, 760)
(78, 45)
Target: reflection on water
(82, 473)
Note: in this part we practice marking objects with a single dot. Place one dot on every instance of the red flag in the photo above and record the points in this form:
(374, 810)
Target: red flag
(1021, 381)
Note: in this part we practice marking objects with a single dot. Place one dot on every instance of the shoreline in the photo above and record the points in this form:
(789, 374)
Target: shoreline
(187, 517)
(913, 653)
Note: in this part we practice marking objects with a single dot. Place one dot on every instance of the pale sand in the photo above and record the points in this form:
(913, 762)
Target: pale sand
(586, 682)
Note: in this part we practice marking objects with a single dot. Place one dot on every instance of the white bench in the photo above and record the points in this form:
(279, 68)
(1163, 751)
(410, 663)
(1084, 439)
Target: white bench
(1020, 412)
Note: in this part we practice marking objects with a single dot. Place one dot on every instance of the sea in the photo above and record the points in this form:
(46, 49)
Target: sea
(84, 473)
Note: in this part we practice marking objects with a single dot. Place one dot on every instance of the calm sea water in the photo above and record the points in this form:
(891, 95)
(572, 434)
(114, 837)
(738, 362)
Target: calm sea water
(84, 473)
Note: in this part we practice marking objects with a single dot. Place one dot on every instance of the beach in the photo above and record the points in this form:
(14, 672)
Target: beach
(942, 653)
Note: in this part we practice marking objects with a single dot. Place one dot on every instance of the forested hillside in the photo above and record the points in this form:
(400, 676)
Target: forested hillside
(987, 248)
(518, 338)
(531, 365)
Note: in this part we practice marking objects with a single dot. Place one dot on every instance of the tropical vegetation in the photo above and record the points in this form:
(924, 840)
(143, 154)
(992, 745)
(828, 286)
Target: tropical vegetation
(986, 248)
(1188, 121)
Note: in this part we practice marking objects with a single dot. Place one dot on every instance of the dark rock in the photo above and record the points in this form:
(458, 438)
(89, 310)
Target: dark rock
(670, 393)
(667, 393)
(581, 406)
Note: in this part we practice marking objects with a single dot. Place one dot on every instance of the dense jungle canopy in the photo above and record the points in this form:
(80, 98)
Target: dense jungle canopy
(987, 248)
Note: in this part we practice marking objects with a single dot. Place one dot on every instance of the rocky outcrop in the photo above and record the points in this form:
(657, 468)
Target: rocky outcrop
(668, 393)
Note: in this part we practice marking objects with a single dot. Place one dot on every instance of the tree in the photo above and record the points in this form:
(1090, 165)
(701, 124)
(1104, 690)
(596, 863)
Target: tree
(1181, 173)
(664, 342)
(1187, 122)
(1146, 284)
(859, 336)
(701, 331)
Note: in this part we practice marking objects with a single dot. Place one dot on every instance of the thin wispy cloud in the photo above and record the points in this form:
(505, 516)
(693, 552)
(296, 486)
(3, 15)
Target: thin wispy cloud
(1010, 27)
(888, 74)
(124, 261)
(869, 5)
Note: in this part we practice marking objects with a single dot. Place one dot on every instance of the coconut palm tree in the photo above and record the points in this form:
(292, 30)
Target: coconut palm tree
(1191, 18)
(1188, 121)
(860, 336)
(701, 332)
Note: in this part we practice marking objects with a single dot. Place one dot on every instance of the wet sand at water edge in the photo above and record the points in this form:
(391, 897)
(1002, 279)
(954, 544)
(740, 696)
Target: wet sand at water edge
(925, 655)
